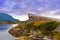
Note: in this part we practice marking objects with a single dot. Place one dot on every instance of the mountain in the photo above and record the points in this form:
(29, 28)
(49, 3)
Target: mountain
(32, 18)
(5, 18)
(20, 30)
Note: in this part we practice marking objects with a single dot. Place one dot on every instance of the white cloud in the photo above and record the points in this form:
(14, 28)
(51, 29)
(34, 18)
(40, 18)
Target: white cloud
(51, 14)
(21, 17)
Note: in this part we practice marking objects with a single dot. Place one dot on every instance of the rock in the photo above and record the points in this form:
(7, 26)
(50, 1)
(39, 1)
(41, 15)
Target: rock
(23, 38)
(14, 33)
(32, 18)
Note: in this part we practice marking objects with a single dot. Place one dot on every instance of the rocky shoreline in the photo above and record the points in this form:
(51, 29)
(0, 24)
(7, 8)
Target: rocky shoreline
(22, 33)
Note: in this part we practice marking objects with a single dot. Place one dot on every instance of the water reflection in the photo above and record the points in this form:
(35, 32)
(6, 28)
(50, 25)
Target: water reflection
(4, 35)
(4, 27)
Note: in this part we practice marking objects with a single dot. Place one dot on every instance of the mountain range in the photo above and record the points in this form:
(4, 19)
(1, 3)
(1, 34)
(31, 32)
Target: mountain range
(5, 18)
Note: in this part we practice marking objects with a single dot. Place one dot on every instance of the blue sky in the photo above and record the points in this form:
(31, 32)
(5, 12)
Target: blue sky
(22, 7)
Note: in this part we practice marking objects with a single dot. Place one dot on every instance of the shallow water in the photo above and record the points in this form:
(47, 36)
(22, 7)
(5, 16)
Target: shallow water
(4, 35)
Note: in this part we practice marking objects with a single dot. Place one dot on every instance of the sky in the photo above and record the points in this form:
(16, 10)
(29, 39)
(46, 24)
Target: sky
(20, 8)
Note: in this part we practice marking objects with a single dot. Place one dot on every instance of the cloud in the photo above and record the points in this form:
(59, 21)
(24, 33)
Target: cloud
(23, 7)
(52, 12)
(32, 6)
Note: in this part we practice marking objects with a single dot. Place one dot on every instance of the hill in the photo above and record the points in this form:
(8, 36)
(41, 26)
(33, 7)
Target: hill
(33, 27)
(5, 18)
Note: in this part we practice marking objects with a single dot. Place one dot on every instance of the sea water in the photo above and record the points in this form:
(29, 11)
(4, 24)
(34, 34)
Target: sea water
(4, 35)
